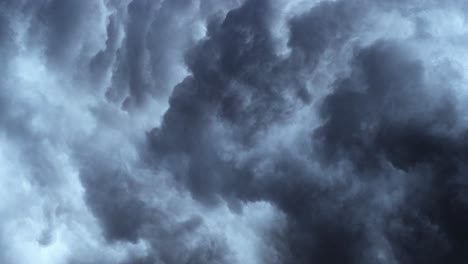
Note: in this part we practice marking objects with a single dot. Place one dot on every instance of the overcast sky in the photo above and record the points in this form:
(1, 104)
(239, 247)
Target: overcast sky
(233, 131)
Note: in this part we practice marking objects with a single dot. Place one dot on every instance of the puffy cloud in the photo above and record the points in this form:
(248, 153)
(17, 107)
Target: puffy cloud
(233, 131)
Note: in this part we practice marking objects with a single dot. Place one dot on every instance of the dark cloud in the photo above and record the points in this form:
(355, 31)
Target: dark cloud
(386, 112)
(117, 200)
(132, 67)
(319, 29)
(237, 81)
(227, 67)
(148, 62)
(251, 131)
(384, 117)
(60, 24)
(104, 58)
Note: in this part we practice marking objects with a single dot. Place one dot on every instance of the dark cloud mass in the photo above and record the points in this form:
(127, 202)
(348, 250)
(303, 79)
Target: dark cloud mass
(237, 131)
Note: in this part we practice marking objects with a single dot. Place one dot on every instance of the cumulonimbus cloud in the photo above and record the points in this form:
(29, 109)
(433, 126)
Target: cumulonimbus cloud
(255, 131)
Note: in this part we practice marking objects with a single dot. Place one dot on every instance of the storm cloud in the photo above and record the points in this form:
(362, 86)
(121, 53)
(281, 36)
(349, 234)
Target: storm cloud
(236, 131)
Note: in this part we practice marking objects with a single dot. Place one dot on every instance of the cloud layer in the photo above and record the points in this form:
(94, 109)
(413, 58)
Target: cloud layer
(237, 131)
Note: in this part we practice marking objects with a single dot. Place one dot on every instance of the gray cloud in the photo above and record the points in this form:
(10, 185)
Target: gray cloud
(233, 132)
(385, 92)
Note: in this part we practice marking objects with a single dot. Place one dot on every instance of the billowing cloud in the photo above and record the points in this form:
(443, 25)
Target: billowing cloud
(237, 131)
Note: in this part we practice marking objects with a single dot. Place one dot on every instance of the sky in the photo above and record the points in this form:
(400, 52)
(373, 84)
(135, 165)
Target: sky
(233, 131)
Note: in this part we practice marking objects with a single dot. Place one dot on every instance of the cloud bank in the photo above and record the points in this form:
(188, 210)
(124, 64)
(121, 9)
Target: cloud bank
(236, 131)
